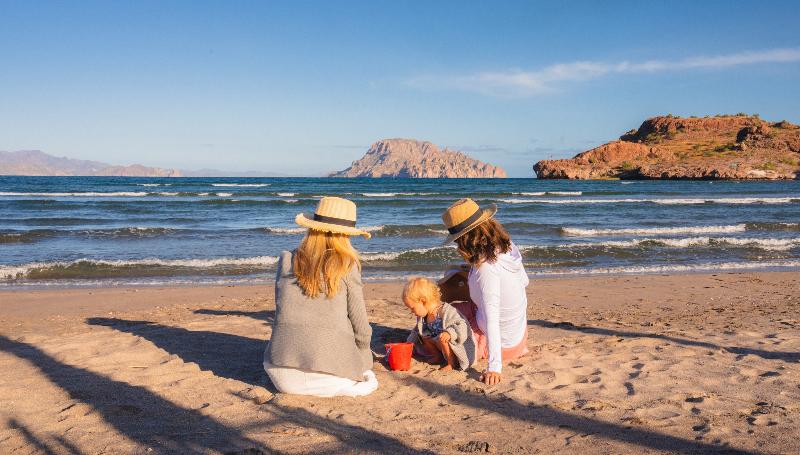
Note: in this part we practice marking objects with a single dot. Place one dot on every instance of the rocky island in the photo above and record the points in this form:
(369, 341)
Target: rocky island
(667, 147)
(410, 158)
(35, 162)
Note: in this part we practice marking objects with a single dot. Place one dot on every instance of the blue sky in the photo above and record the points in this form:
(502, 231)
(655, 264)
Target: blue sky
(305, 87)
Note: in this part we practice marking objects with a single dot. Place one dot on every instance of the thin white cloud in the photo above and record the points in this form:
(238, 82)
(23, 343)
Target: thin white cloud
(518, 83)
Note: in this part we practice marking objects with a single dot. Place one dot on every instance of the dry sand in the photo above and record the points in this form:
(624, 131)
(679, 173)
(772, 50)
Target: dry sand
(633, 364)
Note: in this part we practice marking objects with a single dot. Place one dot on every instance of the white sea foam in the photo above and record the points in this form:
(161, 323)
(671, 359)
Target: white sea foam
(767, 244)
(394, 194)
(243, 185)
(371, 228)
(165, 193)
(551, 193)
(668, 201)
(286, 194)
(224, 194)
(81, 194)
(731, 200)
(687, 242)
(203, 194)
(153, 184)
(655, 231)
(22, 270)
(290, 230)
(302, 230)
(674, 268)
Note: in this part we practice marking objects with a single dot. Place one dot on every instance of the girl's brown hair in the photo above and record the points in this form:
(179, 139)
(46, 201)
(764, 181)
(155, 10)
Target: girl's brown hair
(322, 260)
(484, 243)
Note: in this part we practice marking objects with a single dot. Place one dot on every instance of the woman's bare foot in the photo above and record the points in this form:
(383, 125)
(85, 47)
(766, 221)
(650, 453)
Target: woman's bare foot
(446, 367)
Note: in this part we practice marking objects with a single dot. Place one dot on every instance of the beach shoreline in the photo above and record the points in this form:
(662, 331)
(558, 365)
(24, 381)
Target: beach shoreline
(622, 364)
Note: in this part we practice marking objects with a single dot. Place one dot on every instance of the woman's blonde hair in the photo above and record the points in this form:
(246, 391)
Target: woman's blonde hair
(417, 288)
(322, 260)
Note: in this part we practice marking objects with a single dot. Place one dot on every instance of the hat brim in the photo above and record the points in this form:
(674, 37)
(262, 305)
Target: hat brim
(488, 213)
(304, 221)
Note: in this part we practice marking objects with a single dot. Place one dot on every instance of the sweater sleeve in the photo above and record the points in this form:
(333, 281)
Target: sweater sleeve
(357, 313)
(489, 283)
(457, 327)
(283, 273)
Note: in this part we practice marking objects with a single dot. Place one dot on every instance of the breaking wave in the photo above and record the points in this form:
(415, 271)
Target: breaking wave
(655, 231)
(646, 269)
(550, 193)
(667, 201)
(241, 185)
(92, 268)
(80, 194)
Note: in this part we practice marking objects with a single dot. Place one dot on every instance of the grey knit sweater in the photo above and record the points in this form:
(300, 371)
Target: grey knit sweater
(325, 335)
(461, 341)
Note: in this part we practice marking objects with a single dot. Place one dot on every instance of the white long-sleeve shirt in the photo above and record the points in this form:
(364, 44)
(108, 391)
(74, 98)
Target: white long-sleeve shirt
(498, 290)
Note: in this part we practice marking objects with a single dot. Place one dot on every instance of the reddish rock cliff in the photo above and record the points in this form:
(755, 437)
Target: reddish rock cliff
(721, 147)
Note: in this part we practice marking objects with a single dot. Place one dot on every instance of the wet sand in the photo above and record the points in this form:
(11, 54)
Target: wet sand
(630, 364)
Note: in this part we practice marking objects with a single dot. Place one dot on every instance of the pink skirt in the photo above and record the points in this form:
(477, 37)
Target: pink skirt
(468, 309)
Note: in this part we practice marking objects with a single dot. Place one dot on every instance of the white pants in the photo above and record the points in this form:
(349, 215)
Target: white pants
(306, 382)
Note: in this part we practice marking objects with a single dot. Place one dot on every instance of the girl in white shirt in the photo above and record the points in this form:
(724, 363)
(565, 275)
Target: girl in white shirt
(497, 282)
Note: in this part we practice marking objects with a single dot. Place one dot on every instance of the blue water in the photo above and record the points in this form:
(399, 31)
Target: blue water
(72, 231)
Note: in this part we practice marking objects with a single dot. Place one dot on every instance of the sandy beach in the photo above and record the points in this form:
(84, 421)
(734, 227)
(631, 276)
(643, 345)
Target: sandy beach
(625, 364)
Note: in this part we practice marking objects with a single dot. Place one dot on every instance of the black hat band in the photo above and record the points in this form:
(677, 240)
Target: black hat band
(460, 226)
(332, 220)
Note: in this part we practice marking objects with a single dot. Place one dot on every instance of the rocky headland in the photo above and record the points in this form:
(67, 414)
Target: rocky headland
(410, 158)
(667, 147)
(37, 163)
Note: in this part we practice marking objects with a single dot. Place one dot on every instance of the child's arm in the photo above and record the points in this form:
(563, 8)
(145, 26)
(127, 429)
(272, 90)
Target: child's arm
(413, 337)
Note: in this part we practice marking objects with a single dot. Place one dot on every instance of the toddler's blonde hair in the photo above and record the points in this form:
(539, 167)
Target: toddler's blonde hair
(418, 288)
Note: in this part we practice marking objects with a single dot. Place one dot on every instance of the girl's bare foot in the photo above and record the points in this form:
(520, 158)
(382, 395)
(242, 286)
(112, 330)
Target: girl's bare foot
(446, 367)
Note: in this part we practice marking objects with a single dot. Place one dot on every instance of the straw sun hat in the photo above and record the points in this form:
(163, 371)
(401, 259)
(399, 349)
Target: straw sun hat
(463, 216)
(333, 214)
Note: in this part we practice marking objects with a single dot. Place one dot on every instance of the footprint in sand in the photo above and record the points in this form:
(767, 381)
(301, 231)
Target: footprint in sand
(629, 388)
(543, 377)
(761, 415)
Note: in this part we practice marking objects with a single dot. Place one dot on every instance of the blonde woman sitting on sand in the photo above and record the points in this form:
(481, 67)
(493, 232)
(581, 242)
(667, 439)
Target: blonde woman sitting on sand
(497, 282)
(320, 341)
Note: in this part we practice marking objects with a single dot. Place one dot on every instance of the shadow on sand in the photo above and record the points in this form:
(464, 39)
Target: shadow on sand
(558, 419)
(381, 334)
(225, 355)
(266, 315)
(771, 355)
(136, 412)
(151, 420)
(357, 438)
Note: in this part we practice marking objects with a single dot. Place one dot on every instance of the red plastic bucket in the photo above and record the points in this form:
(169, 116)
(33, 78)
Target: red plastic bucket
(398, 355)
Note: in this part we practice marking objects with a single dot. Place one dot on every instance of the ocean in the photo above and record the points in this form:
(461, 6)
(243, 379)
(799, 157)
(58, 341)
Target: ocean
(98, 231)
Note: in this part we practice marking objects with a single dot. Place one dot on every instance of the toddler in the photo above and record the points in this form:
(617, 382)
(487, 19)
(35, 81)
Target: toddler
(441, 335)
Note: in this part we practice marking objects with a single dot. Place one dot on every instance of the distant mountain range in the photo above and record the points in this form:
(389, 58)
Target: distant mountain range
(411, 158)
(37, 163)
